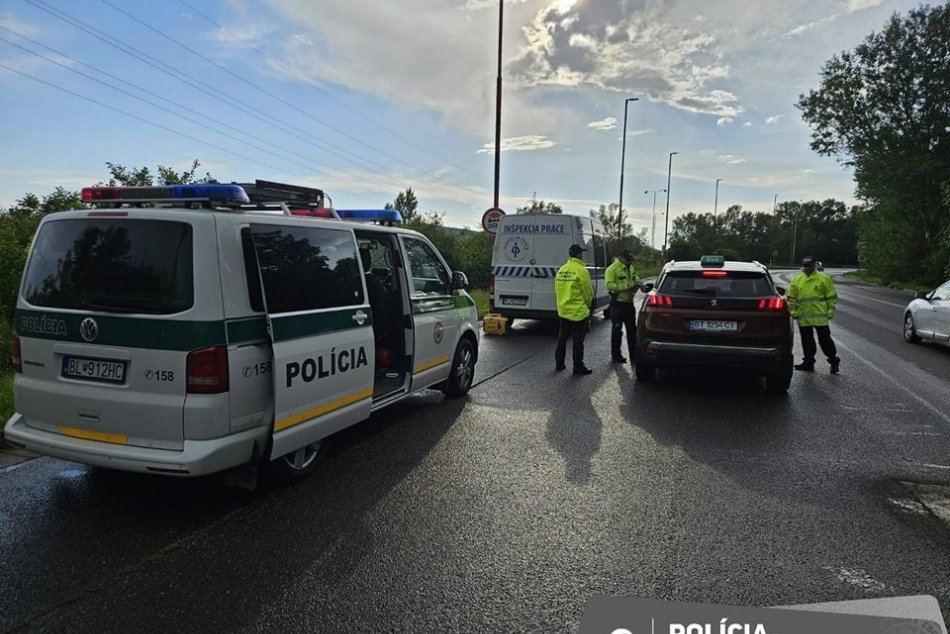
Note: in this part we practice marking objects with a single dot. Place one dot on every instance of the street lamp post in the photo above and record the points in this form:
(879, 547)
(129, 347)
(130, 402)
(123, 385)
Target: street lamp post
(501, 15)
(716, 205)
(666, 230)
(653, 225)
(623, 155)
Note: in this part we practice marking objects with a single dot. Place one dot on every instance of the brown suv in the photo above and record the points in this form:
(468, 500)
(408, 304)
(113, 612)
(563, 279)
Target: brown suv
(716, 313)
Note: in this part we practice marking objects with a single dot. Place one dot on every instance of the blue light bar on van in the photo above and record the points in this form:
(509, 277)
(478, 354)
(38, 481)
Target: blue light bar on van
(370, 215)
(233, 194)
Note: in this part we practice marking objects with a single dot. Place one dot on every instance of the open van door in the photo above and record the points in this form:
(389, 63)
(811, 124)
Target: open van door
(320, 326)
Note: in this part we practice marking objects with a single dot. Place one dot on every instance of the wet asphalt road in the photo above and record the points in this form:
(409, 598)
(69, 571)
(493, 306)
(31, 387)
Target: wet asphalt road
(506, 511)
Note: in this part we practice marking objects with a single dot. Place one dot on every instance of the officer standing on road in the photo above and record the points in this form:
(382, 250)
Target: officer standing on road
(812, 299)
(622, 284)
(574, 293)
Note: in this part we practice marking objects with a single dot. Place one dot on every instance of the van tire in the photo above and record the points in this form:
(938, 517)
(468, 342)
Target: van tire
(462, 372)
(298, 465)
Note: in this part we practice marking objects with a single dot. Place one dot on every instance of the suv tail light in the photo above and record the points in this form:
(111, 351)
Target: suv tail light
(491, 292)
(658, 299)
(207, 370)
(16, 357)
(772, 303)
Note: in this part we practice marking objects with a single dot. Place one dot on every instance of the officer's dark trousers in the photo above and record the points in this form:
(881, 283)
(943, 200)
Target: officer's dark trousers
(622, 315)
(568, 330)
(824, 339)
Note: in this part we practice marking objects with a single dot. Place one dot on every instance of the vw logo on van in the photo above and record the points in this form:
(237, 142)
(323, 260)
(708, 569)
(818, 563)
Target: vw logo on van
(89, 329)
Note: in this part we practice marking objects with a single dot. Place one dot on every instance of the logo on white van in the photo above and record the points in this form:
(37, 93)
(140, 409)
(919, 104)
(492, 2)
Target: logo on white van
(516, 248)
(89, 329)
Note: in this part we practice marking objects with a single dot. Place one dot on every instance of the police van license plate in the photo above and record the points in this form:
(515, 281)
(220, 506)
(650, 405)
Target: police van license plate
(514, 301)
(713, 325)
(93, 369)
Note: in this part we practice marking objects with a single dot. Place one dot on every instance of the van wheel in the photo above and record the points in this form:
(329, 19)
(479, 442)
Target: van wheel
(463, 370)
(298, 465)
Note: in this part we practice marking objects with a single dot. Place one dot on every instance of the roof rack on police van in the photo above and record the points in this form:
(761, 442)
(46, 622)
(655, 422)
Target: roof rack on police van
(269, 193)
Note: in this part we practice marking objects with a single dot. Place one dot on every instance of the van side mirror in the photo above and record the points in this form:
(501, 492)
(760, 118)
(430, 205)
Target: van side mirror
(460, 281)
(780, 290)
(646, 288)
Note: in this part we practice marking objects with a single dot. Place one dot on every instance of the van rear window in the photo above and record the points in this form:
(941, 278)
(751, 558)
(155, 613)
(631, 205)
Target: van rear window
(112, 265)
(746, 284)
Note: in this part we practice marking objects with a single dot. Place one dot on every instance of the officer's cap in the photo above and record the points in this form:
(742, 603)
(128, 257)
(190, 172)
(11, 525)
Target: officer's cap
(626, 254)
(808, 261)
(575, 250)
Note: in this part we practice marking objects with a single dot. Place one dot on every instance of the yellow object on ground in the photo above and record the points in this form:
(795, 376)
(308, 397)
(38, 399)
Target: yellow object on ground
(495, 324)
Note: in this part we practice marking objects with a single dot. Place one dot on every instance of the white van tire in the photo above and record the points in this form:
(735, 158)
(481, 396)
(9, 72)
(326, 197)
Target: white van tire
(462, 373)
(298, 465)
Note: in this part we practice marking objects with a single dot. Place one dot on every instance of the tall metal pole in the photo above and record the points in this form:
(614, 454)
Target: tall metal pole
(666, 230)
(623, 155)
(716, 206)
(653, 225)
(501, 16)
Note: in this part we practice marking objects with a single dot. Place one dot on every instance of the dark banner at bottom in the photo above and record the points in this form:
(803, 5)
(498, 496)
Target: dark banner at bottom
(900, 615)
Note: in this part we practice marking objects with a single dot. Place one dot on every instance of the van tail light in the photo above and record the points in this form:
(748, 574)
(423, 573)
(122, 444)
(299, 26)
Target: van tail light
(659, 299)
(772, 303)
(16, 357)
(207, 370)
(491, 292)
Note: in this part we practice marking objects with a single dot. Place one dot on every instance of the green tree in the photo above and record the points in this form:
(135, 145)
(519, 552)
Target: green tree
(539, 207)
(883, 110)
(142, 176)
(407, 204)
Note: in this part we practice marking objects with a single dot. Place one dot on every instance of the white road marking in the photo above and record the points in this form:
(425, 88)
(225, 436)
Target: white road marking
(863, 297)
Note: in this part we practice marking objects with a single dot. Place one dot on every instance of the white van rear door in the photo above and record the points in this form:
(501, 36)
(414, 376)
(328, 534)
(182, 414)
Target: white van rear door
(320, 326)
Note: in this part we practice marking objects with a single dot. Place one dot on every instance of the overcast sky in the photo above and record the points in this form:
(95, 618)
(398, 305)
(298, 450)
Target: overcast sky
(366, 98)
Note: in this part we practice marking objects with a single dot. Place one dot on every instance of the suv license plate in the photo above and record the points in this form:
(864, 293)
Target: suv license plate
(713, 325)
(515, 301)
(93, 369)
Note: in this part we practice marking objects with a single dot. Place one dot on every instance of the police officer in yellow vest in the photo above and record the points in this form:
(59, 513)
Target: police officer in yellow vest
(622, 284)
(574, 293)
(812, 299)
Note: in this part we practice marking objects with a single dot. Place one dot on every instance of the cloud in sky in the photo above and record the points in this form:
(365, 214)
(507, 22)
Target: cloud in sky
(520, 144)
(729, 159)
(724, 121)
(611, 45)
(774, 119)
(860, 5)
(604, 124)
(747, 124)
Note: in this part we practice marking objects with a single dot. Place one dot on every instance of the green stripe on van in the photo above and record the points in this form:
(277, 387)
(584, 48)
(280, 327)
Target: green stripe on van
(296, 326)
(243, 330)
(121, 331)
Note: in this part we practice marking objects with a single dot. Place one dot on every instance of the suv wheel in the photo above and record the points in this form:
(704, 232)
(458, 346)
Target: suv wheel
(910, 331)
(463, 370)
(778, 382)
(645, 373)
(299, 464)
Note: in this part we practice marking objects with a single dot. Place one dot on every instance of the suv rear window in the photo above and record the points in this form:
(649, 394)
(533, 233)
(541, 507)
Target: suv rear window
(735, 284)
(112, 265)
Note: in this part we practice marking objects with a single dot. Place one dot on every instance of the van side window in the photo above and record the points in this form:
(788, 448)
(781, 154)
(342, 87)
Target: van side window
(307, 268)
(429, 275)
(599, 259)
(251, 273)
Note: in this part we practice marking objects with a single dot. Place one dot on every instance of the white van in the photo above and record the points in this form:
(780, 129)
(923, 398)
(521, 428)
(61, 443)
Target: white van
(210, 333)
(529, 249)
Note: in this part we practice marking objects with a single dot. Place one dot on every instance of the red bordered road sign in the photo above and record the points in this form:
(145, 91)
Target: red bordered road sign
(491, 218)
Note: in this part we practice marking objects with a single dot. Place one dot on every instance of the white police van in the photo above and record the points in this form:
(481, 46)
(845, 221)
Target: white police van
(529, 249)
(186, 330)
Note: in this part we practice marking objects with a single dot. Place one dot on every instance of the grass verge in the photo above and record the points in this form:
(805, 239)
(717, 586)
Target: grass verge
(899, 285)
(480, 295)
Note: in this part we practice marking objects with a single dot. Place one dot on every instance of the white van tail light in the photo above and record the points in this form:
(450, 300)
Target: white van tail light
(207, 370)
(16, 357)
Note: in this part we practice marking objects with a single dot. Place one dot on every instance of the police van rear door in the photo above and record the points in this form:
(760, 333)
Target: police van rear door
(320, 326)
(552, 241)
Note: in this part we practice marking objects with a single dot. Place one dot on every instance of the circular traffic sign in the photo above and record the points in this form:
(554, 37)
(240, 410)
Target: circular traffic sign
(491, 218)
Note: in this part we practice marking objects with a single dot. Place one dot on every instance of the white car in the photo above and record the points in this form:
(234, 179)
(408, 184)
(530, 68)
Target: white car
(927, 318)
